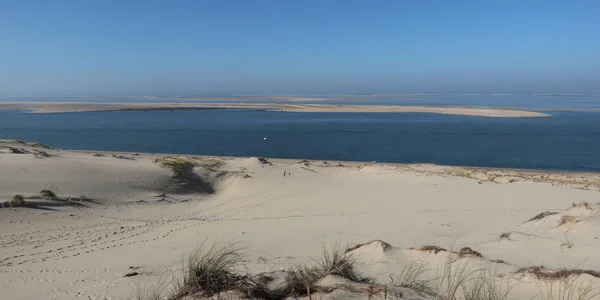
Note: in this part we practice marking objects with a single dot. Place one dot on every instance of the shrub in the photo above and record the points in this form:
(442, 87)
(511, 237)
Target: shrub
(18, 201)
(48, 194)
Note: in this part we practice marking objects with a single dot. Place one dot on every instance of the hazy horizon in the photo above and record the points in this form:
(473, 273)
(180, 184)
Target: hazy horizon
(224, 48)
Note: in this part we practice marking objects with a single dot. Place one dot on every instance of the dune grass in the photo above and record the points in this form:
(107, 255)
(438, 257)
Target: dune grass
(485, 285)
(567, 219)
(541, 216)
(209, 270)
(411, 277)
(461, 278)
(455, 274)
(302, 279)
(155, 291)
(566, 289)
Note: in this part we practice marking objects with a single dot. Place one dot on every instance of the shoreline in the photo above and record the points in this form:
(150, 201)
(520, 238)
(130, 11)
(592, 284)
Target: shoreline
(354, 163)
(64, 107)
(348, 163)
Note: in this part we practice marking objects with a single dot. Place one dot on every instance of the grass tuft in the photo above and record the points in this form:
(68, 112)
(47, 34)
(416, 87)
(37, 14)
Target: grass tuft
(567, 219)
(485, 285)
(301, 280)
(156, 291)
(585, 205)
(541, 216)
(567, 290)
(211, 270)
(455, 274)
(411, 277)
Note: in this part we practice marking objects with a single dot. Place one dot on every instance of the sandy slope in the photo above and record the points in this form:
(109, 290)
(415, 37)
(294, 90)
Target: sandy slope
(136, 215)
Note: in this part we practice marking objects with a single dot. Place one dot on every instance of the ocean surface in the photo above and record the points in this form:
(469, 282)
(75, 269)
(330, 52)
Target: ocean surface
(564, 141)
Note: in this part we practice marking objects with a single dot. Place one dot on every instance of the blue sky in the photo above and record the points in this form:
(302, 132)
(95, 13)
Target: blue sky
(221, 47)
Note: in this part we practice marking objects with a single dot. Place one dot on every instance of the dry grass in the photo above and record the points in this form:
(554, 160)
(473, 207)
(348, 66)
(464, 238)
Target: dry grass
(542, 273)
(335, 261)
(411, 277)
(155, 291)
(541, 216)
(383, 244)
(585, 205)
(567, 219)
(466, 251)
(460, 279)
(485, 285)
(566, 243)
(434, 249)
(301, 280)
(455, 274)
(210, 270)
(567, 290)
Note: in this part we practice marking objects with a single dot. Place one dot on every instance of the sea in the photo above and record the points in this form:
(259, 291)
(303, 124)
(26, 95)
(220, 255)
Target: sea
(568, 140)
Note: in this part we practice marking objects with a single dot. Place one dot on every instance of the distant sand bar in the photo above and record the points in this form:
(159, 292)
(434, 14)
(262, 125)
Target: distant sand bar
(60, 107)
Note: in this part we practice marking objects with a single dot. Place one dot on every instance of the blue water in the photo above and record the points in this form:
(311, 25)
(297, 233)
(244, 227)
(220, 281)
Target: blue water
(565, 141)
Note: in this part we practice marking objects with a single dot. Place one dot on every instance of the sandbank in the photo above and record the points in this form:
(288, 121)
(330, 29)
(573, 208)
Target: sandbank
(62, 107)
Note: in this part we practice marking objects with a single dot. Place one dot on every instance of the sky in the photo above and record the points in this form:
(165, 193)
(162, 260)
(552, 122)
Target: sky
(223, 47)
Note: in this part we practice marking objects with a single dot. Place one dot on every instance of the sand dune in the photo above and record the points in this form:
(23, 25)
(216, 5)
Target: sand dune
(57, 107)
(140, 213)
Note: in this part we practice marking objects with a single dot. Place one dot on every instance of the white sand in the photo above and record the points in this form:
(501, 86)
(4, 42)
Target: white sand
(58, 251)
(56, 107)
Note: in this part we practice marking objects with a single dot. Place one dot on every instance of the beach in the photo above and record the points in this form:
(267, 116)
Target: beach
(62, 107)
(118, 221)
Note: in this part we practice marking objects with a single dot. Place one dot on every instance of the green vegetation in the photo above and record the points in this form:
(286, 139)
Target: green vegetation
(18, 201)
(48, 194)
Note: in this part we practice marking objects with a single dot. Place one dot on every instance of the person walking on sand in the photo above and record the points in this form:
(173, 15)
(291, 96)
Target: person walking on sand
(283, 173)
